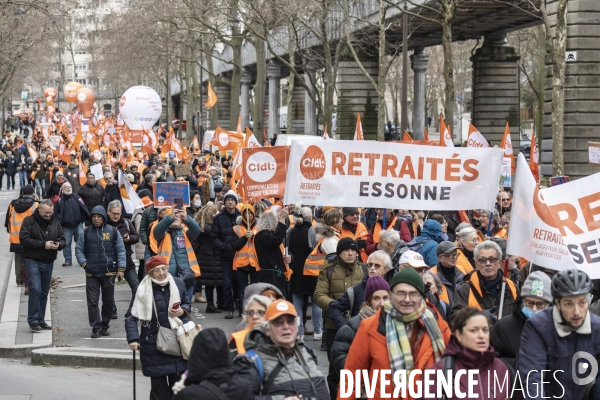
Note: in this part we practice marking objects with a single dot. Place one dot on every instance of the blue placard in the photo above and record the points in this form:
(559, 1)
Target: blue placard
(165, 193)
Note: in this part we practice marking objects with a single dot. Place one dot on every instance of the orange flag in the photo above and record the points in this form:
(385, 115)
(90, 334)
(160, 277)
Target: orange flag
(445, 134)
(226, 140)
(406, 137)
(325, 135)
(195, 146)
(533, 159)
(506, 144)
(211, 97)
(63, 151)
(358, 132)
(77, 140)
(82, 177)
(149, 142)
(475, 138)
(426, 134)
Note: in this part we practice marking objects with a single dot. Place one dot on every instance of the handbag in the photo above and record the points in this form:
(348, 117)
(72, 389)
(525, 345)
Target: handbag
(187, 276)
(166, 338)
(186, 333)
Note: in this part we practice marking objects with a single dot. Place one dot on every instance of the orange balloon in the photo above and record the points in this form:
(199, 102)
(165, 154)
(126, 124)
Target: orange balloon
(50, 92)
(85, 101)
(71, 89)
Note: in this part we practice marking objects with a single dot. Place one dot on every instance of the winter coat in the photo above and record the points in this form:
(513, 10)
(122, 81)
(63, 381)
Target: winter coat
(101, 251)
(341, 306)
(299, 248)
(71, 211)
(208, 259)
(506, 336)
(20, 205)
(139, 248)
(490, 303)
(369, 348)
(149, 215)
(10, 164)
(299, 375)
(40, 167)
(222, 234)
(72, 176)
(92, 195)
(342, 342)
(155, 363)
(485, 362)
(449, 287)
(35, 232)
(210, 361)
(179, 257)
(270, 257)
(124, 226)
(401, 227)
(53, 189)
(112, 192)
(431, 235)
(542, 349)
(343, 277)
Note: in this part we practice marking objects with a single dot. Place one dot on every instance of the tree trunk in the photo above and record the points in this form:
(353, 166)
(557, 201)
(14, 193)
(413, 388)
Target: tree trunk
(448, 76)
(259, 90)
(381, 78)
(558, 94)
(236, 80)
(189, 110)
(540, 85)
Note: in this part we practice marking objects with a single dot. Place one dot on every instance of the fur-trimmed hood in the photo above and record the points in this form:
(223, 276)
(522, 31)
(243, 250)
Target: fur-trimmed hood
(324, 231)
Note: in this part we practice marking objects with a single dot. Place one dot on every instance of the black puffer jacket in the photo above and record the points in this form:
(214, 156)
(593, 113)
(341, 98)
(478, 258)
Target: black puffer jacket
(342, 342)
(91, 195)
(111, 192)
(506, 336)
(299, 249)
(35, 232)
(210, 361)
(270, 258)
(208, 258)
(222, 233)
(125, 227)
(149, 215)
(19, 205)
(154, 362)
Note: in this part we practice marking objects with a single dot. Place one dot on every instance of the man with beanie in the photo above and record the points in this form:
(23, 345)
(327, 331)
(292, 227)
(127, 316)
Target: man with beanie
(406, 334)
(354, 229)
(18, 210)
(100, 251)
(335, 278)
(222, 237)
(451, 275)
(506, 333)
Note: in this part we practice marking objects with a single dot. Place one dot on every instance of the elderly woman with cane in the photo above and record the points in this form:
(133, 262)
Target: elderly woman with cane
(159, 300)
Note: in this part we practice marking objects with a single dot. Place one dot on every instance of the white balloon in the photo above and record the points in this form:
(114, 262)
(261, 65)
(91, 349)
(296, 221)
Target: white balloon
(140, 107)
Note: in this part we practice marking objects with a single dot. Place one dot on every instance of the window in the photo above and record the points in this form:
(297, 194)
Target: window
(82, 81)
(81, 52)
(55, 68)
(80, 67)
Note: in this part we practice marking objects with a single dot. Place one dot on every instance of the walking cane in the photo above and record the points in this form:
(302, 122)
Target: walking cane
(133, 374)
(503, 288)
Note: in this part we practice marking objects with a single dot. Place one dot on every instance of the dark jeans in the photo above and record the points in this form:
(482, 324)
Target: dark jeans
(69, 233)
(93, 287)
(243, 274)
(10, 178)
(160, 387)
(333, 380)
(22, 178)
(19, 268)
(210, 295)
(227, 270)
(141, 270)
(131, 277)
(40, 275)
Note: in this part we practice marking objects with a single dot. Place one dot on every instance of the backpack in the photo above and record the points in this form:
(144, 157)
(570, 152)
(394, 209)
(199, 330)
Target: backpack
(214, 389)
(115, 232)
(416, 246)
(264, 388)
(350, 290)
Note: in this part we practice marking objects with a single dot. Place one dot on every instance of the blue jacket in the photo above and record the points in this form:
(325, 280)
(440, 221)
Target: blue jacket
(179, 256)
(155, 363)
(431, 235)
(542, 349)
(101, 251)
(222, 234)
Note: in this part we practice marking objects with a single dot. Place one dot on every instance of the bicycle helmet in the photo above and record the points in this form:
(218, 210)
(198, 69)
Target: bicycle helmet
(570, 282)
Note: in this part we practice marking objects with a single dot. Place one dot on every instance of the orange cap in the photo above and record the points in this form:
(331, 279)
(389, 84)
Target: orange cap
(278, 308)
(147, 202)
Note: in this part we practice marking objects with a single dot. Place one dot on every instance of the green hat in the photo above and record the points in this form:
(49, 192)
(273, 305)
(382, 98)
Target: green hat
(410, 276)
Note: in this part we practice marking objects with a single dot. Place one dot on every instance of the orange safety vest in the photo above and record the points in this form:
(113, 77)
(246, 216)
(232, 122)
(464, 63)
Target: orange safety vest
(477, 286)
(377, 229)
(16, 220)
(444, 295)
(239, 337)
(361, 233)
(165, 248)
(247, 254)
(316, 258)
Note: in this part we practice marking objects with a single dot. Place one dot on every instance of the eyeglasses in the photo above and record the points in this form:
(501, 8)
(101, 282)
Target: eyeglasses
(352, 215)
(161, 270)
(474, 241)
(377, 266)
(279, 322)
(491, 260)
(454, 254)
(540, 305)
(252, 313)
(412, 295)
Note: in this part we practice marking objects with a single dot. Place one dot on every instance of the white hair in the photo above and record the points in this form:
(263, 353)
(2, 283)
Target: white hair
(382, 255)
(267, 222)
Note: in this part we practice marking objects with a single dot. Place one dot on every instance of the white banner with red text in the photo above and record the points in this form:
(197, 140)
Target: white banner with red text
(392, 175)
(557, 227)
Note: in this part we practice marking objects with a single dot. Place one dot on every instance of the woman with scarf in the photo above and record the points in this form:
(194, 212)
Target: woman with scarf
(466, 240)
(470, 349)
(254, 314)
(54, 189)
(159, 301)
(406, 334)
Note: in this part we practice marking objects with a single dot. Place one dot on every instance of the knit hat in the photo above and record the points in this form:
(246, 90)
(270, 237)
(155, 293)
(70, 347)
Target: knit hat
(153, 262)
(445, 247)
(375, 283)
(230, 195)
(411, 277)
(349, 210)
(28, 189)
(345, 244)
(537, 285)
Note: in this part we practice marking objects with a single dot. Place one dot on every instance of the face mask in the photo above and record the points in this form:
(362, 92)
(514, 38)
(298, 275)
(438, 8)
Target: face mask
(528, 312)
(197, 204)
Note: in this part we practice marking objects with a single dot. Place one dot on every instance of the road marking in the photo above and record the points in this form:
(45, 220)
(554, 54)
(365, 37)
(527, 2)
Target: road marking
(76, 300)
(105, 338)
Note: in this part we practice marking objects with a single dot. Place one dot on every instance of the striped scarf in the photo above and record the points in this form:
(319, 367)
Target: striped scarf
(398, 343)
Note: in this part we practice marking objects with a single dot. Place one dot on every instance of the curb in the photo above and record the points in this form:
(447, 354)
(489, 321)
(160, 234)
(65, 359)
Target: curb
(20, 350)
(87, 357)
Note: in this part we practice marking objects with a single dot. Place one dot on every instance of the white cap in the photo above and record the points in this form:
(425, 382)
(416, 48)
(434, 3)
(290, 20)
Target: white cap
(413, 259)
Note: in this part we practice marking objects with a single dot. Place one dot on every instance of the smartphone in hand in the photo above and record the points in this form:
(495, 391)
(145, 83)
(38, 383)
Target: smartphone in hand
(179, 204)
(176, 306)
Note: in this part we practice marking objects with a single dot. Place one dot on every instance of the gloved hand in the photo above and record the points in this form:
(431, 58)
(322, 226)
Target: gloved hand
(361, 243)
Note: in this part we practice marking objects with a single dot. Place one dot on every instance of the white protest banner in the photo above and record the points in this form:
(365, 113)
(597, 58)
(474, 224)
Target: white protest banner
(556, 227)
(97, 171)
(379, 174)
